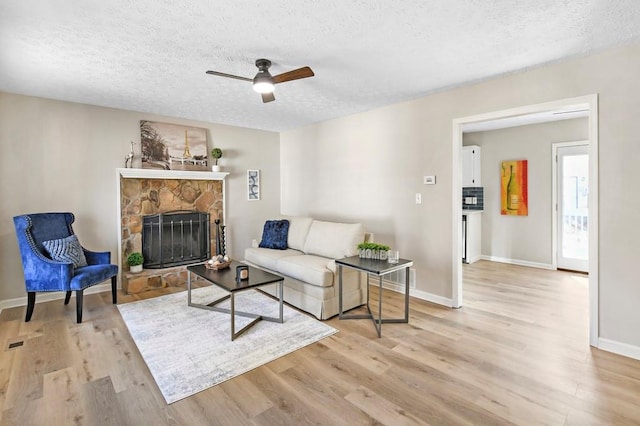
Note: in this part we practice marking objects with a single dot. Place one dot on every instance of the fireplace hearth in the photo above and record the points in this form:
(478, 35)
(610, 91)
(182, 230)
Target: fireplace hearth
(175, 238)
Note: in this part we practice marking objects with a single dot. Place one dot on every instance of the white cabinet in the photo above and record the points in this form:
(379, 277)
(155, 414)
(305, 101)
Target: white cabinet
(471, 236)
(471, 166)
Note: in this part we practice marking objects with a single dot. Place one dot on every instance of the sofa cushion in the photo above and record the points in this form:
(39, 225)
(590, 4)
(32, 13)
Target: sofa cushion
(267, 258)
(298, 230)
(274, 234)
(66, 250)
(308, 268)
(334, 240)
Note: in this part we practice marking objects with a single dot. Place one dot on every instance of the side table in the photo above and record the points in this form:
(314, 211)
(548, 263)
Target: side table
(377, 268)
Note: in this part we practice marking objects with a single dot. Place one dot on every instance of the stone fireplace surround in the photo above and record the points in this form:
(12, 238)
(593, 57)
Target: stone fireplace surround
(149, 191)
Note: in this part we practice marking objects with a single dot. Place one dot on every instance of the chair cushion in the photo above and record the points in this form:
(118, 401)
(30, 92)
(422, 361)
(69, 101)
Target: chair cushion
(298, 230)
(66, 250)
(274, 234)
(91, 275)
(334, 240)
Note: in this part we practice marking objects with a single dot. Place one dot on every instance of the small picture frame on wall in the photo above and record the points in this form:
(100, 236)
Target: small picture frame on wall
(253, 185)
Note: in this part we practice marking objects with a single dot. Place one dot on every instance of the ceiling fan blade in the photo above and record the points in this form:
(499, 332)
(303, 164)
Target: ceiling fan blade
(303, 72)
(268, 97)
(221, 74)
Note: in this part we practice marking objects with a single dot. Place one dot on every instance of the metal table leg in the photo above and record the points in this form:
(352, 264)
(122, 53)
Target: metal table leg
(232, 311)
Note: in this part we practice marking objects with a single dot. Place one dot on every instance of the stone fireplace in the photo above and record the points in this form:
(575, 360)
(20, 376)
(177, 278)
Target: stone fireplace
(145, 192)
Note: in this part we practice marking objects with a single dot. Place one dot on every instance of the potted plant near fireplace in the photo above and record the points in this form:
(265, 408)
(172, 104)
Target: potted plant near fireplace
(135, 261)
(216, 154)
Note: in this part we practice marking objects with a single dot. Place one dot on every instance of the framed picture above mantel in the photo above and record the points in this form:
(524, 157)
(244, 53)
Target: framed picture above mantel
(168, 146)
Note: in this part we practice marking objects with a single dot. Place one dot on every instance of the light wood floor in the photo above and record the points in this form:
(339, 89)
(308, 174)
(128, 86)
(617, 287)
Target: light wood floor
(516, 353)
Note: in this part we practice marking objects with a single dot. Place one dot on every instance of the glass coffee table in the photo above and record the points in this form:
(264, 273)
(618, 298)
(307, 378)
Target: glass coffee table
(226, 280)
(377, 268)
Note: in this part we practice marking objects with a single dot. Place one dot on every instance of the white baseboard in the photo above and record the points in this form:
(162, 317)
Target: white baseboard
(419, 294)
(619, 348)
(519, 262)
(47, 296)
(430, 297)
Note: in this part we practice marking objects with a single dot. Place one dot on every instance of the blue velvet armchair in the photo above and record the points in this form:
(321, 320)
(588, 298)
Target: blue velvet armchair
(41, 273)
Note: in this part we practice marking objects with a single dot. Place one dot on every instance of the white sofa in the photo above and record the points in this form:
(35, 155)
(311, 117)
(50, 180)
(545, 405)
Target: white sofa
(309, 268)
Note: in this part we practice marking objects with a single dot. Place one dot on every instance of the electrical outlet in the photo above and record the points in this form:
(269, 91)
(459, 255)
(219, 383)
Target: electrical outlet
(429, 180)
(418, 198)
(254, 243)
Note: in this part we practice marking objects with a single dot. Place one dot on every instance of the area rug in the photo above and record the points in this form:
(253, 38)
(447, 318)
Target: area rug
(188, 349)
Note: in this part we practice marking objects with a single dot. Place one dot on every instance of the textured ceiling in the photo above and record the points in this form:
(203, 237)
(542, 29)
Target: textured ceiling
(151, 55)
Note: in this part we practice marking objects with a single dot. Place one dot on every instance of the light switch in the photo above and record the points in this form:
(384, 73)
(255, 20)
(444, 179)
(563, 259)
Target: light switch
(418, 198)
(429, 180)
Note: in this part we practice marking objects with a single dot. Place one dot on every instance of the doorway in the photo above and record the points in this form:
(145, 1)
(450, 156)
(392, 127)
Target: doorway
(571, 205)
(587, 103)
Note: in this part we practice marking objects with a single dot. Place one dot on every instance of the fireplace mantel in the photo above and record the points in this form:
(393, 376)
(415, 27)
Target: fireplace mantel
(170, 174)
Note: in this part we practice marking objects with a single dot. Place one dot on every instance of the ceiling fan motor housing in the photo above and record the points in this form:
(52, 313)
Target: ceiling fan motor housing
(263, 64)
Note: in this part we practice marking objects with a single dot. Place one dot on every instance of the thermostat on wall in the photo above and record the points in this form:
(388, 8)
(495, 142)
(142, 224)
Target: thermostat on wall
(429, 180)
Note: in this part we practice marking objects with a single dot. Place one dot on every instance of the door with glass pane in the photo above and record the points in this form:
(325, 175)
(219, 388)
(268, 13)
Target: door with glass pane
(573, 207)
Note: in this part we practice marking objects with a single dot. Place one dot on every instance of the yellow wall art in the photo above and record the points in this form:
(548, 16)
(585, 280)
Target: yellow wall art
(514, 191)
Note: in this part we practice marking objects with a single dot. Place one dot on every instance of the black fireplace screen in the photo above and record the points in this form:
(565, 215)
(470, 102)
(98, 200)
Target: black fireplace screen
(175, 238)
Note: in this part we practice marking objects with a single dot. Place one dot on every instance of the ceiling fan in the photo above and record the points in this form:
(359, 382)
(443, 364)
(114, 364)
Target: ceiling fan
(264, 82)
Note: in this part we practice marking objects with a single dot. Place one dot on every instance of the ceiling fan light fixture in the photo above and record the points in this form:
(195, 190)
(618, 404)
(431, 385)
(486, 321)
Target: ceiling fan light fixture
(262, 82)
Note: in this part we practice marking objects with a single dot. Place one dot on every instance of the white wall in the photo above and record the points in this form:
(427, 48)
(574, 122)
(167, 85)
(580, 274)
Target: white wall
(61, 156)
(368, 166)
(522, 238)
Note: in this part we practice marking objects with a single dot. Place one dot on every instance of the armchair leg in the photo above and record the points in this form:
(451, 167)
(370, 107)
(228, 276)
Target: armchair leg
(31, 302)
(67, 298)
(78, 306)
(114, 290)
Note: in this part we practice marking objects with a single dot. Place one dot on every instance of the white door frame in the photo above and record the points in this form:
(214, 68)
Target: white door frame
(554, 195)
(589, 102)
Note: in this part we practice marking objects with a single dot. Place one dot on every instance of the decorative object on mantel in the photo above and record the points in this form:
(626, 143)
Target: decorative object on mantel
(135, 261)
(373, 251)
(173, 147)
(253, 185)
(128, 160)
(218, 262)
(216, 154)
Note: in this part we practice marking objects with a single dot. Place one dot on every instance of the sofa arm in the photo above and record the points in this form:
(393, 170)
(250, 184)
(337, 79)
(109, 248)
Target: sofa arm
(97, 257)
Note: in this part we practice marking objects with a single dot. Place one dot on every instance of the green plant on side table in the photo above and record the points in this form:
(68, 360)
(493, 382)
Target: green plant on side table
(135, 261)
(373, 251)
(216, 154)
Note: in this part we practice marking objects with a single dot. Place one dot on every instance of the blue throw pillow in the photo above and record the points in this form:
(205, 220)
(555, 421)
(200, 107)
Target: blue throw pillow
(274, 234)
(66, 250)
